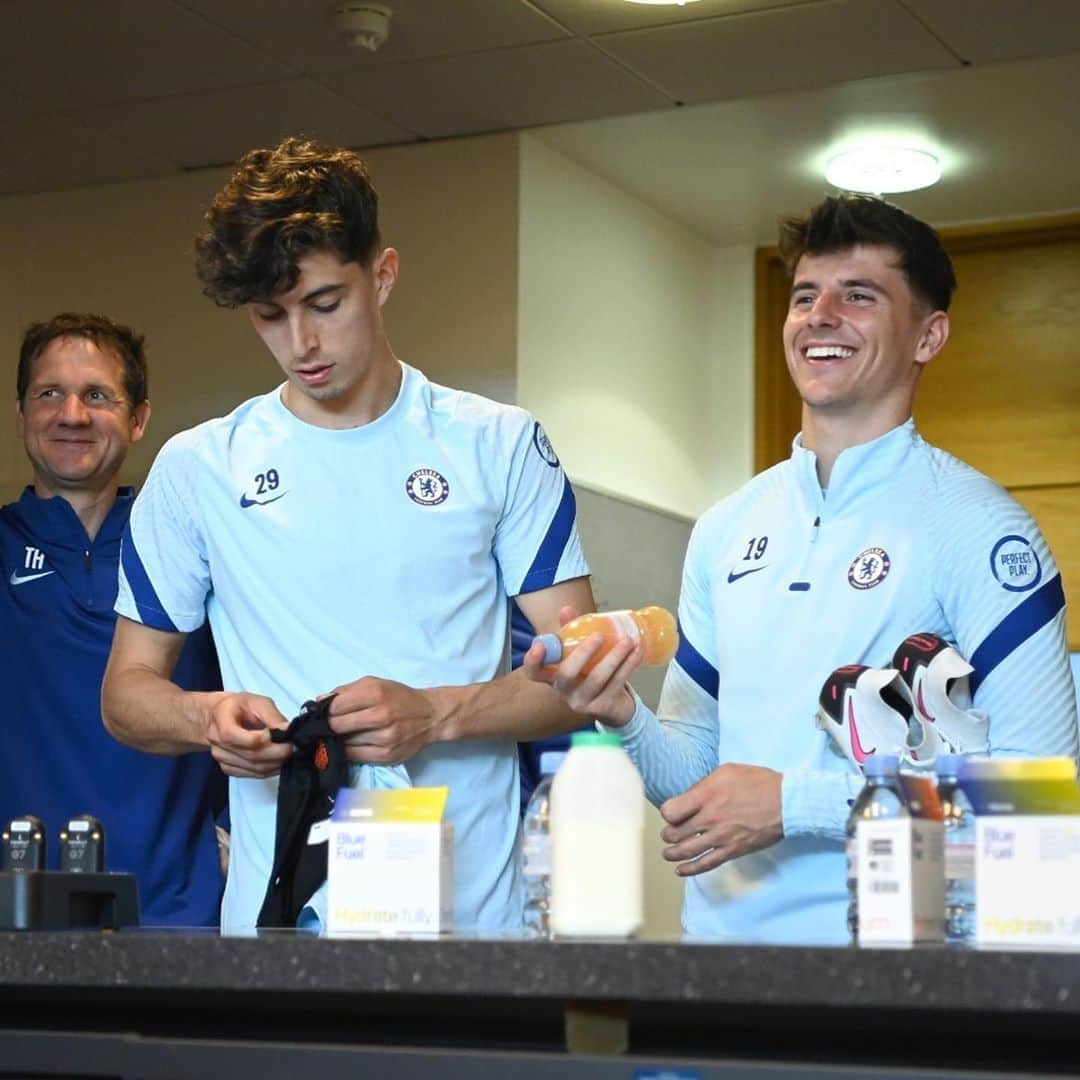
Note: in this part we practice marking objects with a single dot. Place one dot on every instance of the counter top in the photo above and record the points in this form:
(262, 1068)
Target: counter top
(627, 971)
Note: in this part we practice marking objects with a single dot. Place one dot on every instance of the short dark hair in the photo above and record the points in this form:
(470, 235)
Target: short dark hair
(279, 205)
(104, 332)
(844, 221)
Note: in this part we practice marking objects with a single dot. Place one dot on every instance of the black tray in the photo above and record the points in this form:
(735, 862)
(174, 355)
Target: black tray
(60, 900)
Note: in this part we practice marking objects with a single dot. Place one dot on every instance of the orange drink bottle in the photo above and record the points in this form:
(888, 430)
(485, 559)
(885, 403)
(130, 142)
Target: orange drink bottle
(653, 627)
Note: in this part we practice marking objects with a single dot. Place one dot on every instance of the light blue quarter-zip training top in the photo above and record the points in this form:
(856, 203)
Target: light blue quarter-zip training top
(783, 583)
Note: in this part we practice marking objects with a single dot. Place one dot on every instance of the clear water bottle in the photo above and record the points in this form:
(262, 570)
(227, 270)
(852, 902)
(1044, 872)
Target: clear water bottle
(959, 852)
(880, 798)
(536, 847)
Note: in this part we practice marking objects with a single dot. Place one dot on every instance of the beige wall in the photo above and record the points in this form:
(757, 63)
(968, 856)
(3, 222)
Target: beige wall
(634, 339)
(126, 250)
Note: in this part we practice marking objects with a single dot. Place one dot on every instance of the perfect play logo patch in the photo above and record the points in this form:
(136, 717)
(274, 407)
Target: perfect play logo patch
(1014, 564)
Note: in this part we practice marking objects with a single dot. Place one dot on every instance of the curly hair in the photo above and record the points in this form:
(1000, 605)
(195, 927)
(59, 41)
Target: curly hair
(279, 205)
(844, 221)
(104, 332)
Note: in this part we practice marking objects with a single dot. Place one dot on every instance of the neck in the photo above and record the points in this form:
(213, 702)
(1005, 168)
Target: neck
(91, 507)
(829, 436)
(363, 403)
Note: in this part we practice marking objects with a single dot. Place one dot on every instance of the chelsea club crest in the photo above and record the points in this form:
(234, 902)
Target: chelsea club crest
(869, 568)
(427, 487)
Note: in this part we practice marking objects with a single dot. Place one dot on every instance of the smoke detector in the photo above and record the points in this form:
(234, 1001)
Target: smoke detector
(362, 25)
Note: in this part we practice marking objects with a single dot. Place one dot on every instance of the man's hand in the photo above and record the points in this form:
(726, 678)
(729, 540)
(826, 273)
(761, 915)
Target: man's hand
(238, 731)
(736, 809)
(383, 722)
(602, 693)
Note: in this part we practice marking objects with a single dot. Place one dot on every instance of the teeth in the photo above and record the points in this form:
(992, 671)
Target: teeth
(821, 352)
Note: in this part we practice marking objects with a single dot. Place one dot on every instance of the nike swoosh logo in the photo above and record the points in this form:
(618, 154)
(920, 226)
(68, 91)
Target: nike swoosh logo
(856, 747)
(732, 576)
(245, 502)
(923, 710)
(16, 579)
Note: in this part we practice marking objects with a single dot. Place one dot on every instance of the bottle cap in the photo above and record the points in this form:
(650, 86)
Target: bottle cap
(552, 647)
(881, 765)
(550, 760)
(595, 738)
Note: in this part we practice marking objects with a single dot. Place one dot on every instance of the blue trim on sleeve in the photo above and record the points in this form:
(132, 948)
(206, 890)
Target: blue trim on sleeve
(697, 667)
(542, 572)
(1021, 623)
(151, 612)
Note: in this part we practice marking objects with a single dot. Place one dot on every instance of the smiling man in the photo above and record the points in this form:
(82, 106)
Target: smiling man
(357, 530)
(865, 536)
(81, 402)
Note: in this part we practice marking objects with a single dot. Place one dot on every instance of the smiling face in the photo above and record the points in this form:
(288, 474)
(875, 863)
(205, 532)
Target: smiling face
(75, 421)
(856, 339)
(326, 333)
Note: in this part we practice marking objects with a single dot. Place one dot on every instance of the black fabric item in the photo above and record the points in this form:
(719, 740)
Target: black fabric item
(308, 785)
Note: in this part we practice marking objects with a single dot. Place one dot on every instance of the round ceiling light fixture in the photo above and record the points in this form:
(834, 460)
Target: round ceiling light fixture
(879, 170)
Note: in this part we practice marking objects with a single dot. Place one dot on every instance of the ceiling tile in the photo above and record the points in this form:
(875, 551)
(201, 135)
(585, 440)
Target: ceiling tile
(981, 31)
(607, 16)
(493, 91)
(808, 45)
(64, 54)
(49, 152)
(302, 34)
(729, 170)
(217, 127)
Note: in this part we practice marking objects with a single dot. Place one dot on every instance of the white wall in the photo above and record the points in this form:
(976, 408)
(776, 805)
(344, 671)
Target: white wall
(634, 339)
(126, 250)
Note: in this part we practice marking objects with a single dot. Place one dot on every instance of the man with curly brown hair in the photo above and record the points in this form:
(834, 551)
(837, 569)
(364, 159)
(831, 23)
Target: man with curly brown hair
(358, 530)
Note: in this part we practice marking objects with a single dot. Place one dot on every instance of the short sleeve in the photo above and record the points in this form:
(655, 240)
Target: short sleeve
(536, 539)
(164, 574)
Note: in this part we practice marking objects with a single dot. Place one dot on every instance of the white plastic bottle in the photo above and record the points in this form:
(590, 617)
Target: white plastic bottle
(536, 847)
(597, 819)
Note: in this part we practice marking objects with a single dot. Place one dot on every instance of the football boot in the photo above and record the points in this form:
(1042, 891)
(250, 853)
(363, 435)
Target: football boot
(865, 711)
(938, 680)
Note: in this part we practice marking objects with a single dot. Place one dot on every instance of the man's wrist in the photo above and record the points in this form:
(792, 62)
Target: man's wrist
(446, 704)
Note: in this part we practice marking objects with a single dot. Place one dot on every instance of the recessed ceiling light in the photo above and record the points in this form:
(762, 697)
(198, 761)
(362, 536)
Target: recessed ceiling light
(883, 169)
(663, 3)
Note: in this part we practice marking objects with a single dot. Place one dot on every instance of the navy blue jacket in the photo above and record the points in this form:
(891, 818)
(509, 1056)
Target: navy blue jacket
(57, 759)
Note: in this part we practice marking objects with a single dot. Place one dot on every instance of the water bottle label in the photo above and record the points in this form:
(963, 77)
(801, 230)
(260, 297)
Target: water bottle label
(625, 624)
(960, 862)
(536, 856)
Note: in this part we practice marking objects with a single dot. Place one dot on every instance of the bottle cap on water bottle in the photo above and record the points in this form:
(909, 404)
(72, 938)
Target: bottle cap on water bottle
(595, 738)
(550, 760)
(552, 647)
(881, 764)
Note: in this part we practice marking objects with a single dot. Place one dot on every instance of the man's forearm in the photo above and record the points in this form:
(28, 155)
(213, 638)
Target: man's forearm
(146, 711)
(511, 707)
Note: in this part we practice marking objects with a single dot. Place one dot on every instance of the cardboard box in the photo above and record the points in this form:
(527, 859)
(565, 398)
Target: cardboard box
(902, 871)
(390, 863)
(1027, 850)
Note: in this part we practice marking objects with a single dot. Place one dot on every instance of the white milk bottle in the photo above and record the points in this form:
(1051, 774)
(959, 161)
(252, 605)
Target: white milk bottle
(596, 819)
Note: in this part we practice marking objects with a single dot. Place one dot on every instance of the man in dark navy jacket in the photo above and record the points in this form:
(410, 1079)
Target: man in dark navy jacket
(82, 400)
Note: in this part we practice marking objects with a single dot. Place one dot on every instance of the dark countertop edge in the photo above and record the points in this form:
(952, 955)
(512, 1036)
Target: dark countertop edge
(184, 964)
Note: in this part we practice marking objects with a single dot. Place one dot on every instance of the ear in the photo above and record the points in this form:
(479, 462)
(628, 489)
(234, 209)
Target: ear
(935, 333)
(385, 273)
(140, 417)
(19, 417)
